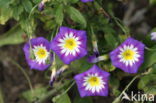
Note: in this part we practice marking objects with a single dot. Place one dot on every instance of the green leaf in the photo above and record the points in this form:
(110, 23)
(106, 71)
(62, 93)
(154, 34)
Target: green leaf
(5, 15)
(17, 10)
(153, 69)
(59, 14)
(114, 83)
(111, 41)
(148, 83)
(73, 1)
(36, 1)
(37, 93)
(81, 68)
(13, 36)
(154, 29)
(75, 15)
(149, 59)
(152, 2)
(64, 98)
(4, 3)
(27, 5)
(28, 25)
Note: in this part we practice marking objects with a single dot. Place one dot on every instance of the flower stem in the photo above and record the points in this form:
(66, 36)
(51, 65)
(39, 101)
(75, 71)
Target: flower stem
(32, 11)
(54, 32)
(150, 49)
(68, 88)
(118, 99)
(24, 73)
(101, 10)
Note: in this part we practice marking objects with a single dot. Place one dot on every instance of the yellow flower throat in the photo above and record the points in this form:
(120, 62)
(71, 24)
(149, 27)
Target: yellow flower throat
(70, 44)
(41, 53)
(128, 54)
(94, 81)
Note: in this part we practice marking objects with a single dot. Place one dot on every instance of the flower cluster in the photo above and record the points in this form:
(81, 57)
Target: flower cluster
(70, 45)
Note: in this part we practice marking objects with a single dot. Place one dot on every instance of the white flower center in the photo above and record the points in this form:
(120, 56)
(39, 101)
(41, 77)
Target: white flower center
(129, 55)
(93, 83)
(69, 44)
(41, 53)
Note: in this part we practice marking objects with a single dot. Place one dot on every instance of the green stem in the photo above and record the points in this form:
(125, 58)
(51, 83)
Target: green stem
(32, 11)
(149, 49)
(31, 25)
(68, 88)
(99, 7)
(121, 25)
(117, 100)
(24, 73)
(54, 32)
(129, 84)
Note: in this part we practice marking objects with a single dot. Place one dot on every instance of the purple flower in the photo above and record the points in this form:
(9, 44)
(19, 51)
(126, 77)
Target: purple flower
(153, 36)
(128, 56)
(38, 54)
(92, 59)
(41, 6)
(86, 1)
(70, 44)
(93, 82)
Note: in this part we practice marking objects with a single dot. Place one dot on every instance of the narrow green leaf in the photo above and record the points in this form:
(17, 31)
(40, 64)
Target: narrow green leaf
(17, 11)
(76, 16)
(59, 14)
(149, 59)
(27, 5)
(111, 41)
(148, 83)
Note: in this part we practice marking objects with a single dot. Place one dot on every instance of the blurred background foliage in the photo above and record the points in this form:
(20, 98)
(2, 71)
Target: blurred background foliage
(109, 22)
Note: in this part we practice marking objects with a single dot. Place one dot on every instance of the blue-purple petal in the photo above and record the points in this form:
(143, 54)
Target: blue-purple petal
(31, 62)
(80, 79)
(129, 69)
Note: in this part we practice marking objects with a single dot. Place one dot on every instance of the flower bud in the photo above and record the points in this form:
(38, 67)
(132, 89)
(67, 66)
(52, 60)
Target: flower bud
(41, 6)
